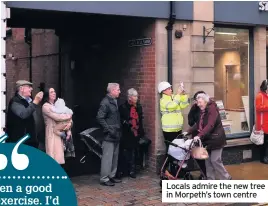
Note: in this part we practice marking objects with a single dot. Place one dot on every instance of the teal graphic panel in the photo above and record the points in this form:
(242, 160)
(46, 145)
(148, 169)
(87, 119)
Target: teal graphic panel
(30, 177)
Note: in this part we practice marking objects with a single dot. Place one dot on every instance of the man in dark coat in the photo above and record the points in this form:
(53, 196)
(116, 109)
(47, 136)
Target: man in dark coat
(109, 118)
(20, 115)
(132, 121)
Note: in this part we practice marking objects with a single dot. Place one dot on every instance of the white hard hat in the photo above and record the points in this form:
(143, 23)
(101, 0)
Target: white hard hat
(163, 86)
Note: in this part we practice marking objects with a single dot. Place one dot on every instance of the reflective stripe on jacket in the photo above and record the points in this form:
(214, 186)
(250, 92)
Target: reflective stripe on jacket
(170, 107)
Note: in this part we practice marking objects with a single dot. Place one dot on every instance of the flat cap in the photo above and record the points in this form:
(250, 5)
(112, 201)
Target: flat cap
(23, 82)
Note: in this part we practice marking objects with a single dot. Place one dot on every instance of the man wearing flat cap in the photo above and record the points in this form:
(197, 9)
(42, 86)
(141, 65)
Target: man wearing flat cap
(20, 115)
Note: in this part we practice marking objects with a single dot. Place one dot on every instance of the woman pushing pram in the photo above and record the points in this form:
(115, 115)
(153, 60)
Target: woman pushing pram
(210, 131)
(211, 134)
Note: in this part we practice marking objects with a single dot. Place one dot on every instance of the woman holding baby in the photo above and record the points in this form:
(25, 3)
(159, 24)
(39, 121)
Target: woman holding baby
(54, 120)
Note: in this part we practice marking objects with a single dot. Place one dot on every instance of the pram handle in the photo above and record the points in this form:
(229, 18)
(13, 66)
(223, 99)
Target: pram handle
(175, 145)
(182, 135)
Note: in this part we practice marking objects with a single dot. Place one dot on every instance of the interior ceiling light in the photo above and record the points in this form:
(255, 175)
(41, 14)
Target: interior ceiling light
(225, 33)
(220, 48)
(224, 48)
(232, 40)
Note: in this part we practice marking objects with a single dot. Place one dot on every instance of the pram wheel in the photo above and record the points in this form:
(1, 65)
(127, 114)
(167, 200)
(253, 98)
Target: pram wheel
(188, 176)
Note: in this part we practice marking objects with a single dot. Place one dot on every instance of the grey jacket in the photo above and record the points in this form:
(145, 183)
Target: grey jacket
(109, 118)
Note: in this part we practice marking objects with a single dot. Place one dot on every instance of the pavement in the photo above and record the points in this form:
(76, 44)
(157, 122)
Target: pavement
(145, 189)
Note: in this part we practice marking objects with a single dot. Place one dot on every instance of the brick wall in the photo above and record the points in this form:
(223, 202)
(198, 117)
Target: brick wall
(44, 61)
(140, 74)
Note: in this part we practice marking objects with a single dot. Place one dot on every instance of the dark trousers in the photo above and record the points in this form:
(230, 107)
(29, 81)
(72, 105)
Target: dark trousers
(170, 136)
(202, 166)
(131, 157)
(127, 161)
(264, 148)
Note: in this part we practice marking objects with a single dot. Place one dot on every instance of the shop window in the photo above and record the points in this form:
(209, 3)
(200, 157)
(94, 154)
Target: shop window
(231, 57)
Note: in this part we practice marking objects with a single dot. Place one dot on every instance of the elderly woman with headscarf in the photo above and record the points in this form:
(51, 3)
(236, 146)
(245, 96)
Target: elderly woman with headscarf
(132, 120)
(209, 130)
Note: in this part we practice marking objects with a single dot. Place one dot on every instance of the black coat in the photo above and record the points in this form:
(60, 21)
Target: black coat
(20, 120)
(40, 125)
(193, 115)
(212, 134)
(109, 118)
(129, 140)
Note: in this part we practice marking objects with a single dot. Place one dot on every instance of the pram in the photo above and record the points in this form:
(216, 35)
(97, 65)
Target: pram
(176, 163)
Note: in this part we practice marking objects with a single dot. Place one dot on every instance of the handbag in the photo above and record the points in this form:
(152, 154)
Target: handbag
(257, 136)
(199, 152)
(144, 141)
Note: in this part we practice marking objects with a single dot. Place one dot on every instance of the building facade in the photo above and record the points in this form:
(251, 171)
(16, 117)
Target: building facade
(223, 52)
(218, 47)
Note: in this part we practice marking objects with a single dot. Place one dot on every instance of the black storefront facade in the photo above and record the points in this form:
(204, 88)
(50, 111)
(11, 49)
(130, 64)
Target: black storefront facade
(218, 47)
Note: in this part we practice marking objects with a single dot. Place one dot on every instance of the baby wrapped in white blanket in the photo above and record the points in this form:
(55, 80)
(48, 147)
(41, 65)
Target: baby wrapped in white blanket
(177, 152)
(60, 108)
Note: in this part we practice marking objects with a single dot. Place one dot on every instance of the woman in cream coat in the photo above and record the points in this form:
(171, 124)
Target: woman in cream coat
(54, 143)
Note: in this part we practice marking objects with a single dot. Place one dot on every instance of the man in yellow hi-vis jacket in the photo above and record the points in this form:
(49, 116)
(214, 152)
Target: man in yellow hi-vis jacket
(170, 107)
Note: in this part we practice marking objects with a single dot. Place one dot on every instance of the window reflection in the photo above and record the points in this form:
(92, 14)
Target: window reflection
(231, 78)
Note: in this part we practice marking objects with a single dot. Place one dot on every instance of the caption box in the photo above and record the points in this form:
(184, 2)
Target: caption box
(216, 191)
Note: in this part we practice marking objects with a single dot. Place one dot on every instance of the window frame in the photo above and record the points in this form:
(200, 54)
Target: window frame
(251, 88)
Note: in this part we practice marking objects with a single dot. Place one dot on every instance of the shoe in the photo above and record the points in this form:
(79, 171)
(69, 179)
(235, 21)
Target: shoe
(230, 178)
(264, 160)
(188, 176)
(108, 183)
(114, 180)
(119, 175)
(201, 177)
(132, 175)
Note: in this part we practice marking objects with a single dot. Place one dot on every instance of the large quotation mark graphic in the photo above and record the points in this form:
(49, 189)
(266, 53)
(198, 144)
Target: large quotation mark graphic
(19, 161)
(3, 158)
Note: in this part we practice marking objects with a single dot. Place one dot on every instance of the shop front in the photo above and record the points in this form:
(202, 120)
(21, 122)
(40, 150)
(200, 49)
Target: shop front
(240, 61)
(223, 51)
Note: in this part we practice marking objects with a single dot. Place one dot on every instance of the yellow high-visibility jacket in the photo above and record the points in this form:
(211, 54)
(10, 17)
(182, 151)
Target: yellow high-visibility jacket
(170, 107)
